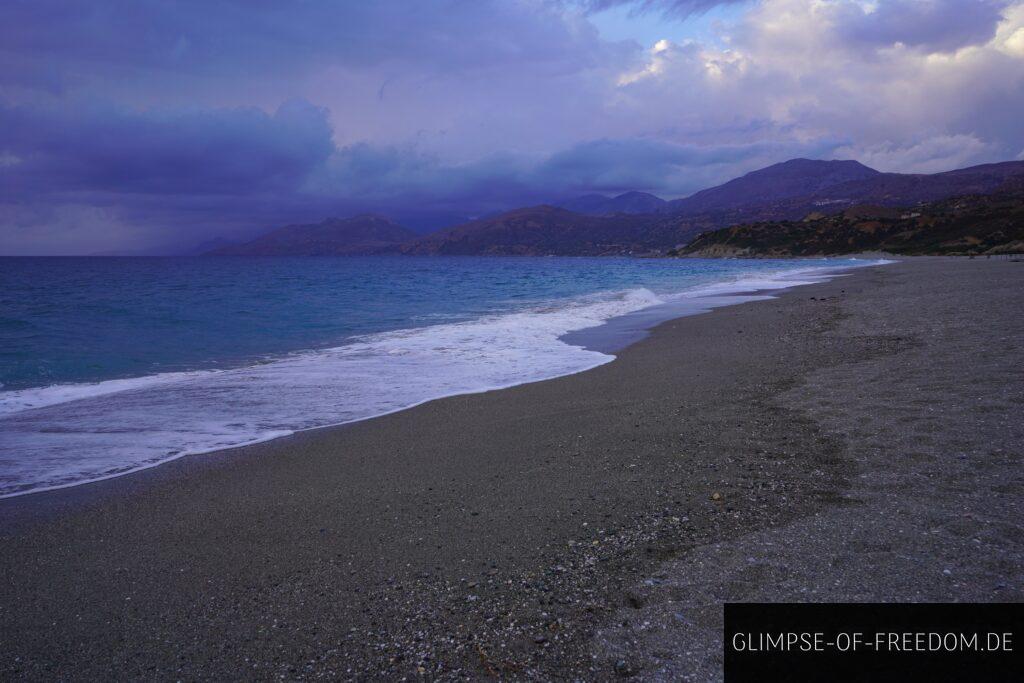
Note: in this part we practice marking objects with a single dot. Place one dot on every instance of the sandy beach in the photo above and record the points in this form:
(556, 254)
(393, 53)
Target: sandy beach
(856, 440)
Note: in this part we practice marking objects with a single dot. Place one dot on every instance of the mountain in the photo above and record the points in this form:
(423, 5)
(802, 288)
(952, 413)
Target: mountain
(363, 234)
(905, 189)
(590, 204)
(629, 202)
(791, 188)
(772, 193)
(550, 230)
(975, 224)
(793, 178)
(637, 222)
(636, 202)
(879, 189)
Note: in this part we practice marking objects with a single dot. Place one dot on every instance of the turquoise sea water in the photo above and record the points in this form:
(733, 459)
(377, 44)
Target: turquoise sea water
(108, 365)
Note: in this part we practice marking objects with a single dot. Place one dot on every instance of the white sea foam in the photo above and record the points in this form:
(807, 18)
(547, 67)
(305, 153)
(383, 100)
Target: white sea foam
(764, 281)
(64, 435)
(40, 397)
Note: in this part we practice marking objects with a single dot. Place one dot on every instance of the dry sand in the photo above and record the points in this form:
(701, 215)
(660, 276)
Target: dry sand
(864, 438)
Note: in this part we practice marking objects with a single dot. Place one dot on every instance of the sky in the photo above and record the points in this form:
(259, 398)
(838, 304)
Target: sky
(150, 126)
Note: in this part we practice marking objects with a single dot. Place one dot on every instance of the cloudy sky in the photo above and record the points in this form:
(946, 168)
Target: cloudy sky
(149, 125)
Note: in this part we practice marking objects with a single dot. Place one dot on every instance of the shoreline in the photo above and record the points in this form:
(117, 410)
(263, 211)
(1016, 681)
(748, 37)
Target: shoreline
(607, 338)
(532, 531)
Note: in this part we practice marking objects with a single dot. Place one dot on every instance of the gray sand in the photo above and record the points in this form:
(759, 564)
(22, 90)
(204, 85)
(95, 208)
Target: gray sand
(864, 437)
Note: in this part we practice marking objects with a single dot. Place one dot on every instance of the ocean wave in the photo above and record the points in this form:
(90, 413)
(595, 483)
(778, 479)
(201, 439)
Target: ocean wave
(70, 434)
(63, 435)
(17, 400)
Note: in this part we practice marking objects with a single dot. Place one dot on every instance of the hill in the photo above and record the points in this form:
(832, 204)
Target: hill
(637, 222)
(975, 224)
(363, 234)
(790, 189)
(902, 189)
(550, 230)
(628, 202)
(879, 189)
(772, 184)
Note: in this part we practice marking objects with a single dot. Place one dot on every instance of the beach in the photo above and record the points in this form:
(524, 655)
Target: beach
(854, 440)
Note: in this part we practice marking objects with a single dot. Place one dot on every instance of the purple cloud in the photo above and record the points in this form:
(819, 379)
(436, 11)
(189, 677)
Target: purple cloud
(113, 149)
(672, 170)
(678, 8)
(236, 38)
(936, 25)
(143, 124)
(166, 177)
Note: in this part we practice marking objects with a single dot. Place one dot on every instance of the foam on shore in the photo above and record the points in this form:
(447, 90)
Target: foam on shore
(59, 436)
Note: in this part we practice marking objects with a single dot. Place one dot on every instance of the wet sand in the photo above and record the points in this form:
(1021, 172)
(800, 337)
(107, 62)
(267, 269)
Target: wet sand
(863, 437)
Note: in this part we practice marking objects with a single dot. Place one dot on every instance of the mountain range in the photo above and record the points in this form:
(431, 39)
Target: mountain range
(964, 225)
(629, 202)
(767, 186)
(637, 222)
(552, 231)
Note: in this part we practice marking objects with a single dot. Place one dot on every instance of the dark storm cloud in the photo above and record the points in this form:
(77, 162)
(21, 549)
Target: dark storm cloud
(256, 37)
(656, 166)
(99, 177)
(591, 162)
(166, 178)
(112, 149)
(246, 152)
(503, 181)
(140, 125)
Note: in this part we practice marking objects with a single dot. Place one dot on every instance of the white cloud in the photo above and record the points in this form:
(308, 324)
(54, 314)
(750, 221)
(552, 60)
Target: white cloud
(933, 155)
(1010, 34)
(795, 71)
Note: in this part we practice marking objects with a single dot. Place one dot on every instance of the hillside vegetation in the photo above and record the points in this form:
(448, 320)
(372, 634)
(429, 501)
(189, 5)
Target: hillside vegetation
(964, 225)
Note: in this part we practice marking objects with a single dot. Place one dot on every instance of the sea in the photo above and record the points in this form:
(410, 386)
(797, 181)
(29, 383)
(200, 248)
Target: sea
(112, 365)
